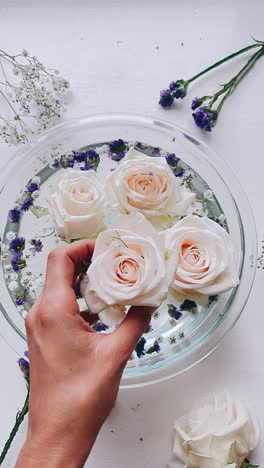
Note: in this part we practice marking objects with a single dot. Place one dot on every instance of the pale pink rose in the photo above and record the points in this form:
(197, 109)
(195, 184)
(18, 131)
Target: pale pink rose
(206, 256)
(147, 184)
(130, 266)
(77, 204)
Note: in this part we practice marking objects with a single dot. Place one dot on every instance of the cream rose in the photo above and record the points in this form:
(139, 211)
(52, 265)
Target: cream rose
(129, 267)
(147, 184)
(77, 204)
(206, 256)
(217, 431)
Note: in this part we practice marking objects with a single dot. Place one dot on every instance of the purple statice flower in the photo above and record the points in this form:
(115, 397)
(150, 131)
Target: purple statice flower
(36, 246)
(87, 167)
(21, 295)
(174, 312)
(166, 98)
(119, 156)
(80, 157)
(155, 348)
(26, 204)
(156, 150)
(26, 353)
(18, 262)
(140, 347)
(205, 118)
(71, 162)
(174, 85)
(99, 326)
(55, 163)
(20, 301)
(117, 146)
(172, 160)
(196, 102)
(180, 93)
(24, 367)
(179, 172)
(179, 88)
(14, 215)
(188, 305)
(92, 154)
(32, 187)
(17, 244)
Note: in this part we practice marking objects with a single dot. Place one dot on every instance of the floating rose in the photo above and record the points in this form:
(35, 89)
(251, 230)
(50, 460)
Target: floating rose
(77, 205)
(217, 432)
(147, 184)
(207, 256)
(129, 267)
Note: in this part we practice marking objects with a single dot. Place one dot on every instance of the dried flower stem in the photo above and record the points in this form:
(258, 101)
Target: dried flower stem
(19, 419)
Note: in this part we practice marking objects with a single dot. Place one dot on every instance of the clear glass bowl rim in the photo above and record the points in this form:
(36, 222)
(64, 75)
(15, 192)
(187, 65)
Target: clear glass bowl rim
(247, 223)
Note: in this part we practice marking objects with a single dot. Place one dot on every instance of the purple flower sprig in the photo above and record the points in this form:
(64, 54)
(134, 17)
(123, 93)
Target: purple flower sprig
(177, 90)
(117, 149)
(17, 244)
(36, 246)
(207, 108)
(173, 162)
(21, 296)
(18, 262)
(173, 312)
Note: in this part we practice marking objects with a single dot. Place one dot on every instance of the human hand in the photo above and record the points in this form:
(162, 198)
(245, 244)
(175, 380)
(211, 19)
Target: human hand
(74, 372)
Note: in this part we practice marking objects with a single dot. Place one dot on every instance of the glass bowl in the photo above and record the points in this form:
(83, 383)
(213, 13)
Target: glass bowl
(181, 344)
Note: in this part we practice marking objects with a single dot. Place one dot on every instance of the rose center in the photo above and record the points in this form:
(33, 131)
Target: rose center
(127, 271)
(193, 256)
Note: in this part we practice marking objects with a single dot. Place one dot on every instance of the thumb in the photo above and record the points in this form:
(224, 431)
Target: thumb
(132, 328)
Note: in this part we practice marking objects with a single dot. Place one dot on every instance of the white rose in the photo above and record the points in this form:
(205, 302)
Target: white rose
(77, 204)
(206, 256)
(129, 267)
(217, 431)
(147, 184)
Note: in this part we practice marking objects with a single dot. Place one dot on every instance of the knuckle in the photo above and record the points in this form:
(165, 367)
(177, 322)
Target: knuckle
(46, 317)
(55, 253)
(29, 322)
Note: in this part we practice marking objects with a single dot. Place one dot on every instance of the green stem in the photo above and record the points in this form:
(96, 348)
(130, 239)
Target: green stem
(236, 80)
(229, 57)
(19, 419)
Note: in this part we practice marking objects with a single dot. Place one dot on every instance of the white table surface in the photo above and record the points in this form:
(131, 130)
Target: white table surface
(117, 55)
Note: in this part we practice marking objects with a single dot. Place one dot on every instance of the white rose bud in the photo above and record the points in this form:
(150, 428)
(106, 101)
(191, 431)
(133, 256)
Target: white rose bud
(217, 432)
(77, 205)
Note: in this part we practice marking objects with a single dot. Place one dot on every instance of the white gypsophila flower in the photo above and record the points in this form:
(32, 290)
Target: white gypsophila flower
(13, 285)
(34, 96)
(208, 195)
(10, 235)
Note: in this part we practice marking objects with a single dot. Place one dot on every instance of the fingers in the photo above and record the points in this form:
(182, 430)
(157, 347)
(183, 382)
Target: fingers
(131, 329)
(63, 263)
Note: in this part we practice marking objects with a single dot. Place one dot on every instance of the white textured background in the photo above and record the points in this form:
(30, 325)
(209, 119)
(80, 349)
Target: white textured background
(117, 55)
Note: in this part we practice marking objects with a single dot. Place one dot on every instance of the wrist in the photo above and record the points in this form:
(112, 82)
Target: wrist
(44, 450)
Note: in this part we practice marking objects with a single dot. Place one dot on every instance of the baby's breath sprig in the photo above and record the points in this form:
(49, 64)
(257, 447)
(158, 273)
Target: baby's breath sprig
(207, 108)
(31, 94)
